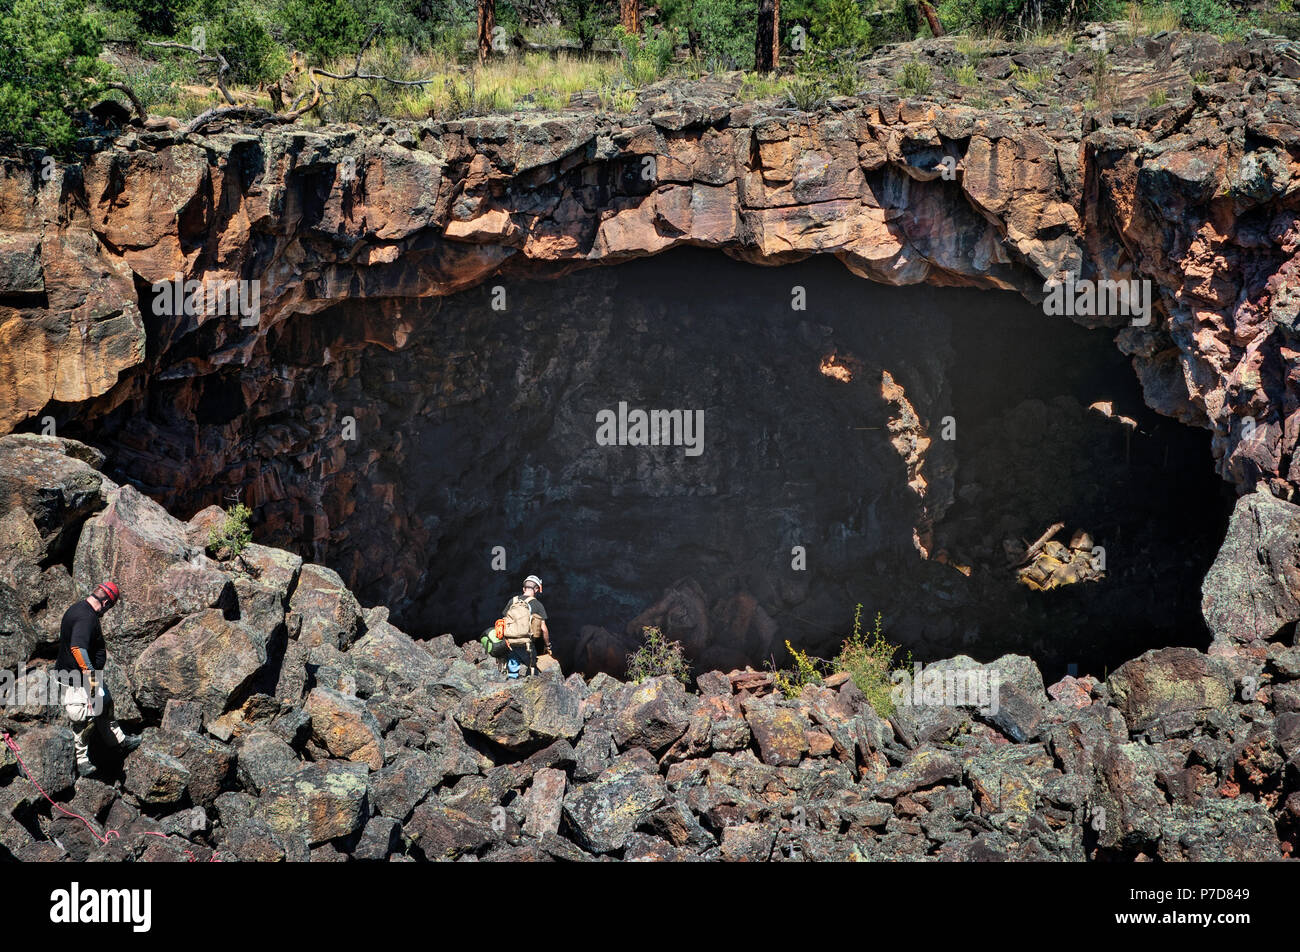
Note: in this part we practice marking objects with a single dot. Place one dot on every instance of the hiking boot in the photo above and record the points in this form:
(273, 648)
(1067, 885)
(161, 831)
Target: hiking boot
(86, 770)
(129, 743)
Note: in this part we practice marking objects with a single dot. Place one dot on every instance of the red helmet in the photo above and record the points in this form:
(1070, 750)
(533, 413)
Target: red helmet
(108, 593)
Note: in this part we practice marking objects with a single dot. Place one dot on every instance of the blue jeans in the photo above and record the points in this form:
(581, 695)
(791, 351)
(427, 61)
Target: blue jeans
(526, 657)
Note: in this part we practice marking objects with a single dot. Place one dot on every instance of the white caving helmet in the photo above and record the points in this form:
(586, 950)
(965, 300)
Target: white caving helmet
(535, 580)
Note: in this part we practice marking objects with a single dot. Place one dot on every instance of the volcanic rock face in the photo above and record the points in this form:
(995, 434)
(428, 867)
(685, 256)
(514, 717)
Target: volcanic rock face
(391, 748)
(1196, 195)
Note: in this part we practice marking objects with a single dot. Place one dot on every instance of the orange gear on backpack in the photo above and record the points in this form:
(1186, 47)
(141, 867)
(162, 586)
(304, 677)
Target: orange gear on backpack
(501, 628)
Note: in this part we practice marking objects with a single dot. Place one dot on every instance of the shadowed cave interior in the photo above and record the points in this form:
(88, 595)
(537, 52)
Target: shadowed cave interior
(476, 429)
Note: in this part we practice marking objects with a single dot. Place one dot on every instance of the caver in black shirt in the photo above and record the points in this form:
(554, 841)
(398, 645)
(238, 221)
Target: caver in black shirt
(80, 630)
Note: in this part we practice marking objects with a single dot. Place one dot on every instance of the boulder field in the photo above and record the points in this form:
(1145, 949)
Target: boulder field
(282, 720)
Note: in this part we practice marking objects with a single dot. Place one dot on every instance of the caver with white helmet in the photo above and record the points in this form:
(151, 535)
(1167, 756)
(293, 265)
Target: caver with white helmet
(533, 588)
(525, 652)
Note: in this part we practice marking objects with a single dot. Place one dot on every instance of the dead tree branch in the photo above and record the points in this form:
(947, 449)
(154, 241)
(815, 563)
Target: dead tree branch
(223, 68)
(1043, 539)
(136, 104)
(257, 112)
(356, 68)
(233, 110)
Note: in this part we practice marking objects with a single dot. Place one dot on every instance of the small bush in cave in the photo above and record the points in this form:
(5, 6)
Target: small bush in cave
(869, 660)
(805, 672)
(656, 657)
(233, 535)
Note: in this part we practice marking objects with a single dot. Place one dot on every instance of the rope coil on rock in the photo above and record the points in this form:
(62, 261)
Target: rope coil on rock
(108, 834)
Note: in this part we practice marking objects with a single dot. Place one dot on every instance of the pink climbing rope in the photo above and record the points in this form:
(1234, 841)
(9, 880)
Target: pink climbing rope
(108, 834)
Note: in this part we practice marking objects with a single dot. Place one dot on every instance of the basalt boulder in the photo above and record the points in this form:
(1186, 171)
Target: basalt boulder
(330, 613)
(523, 716)
(155, 777)
(1167, 682)
(604, 813)
(440, 833)
(263, 758)
(205, 658)
(163, 579)
(1253, 589)
(397, 661)
(401, 786)
(321, 802)
(49, 758)
(345, 727)
(652, 715)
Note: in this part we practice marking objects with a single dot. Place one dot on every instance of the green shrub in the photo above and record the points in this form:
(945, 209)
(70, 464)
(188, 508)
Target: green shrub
(354, 101)
(152, 17)
(897, 21)
(916, 77)
(834, 71)
(646, 57)
(159, 84)
(549, 100)
(49, 67)
(1031, 80)
(718, 32)
(240, 30)
(841, 26)
(1152, 18)
(231, 538)
(616, 98)
(865, 656)
(114, 23)
(971, 49)
(657, 657)
(1208, 16)
(870, 660)
(419, 24)
(1100, 75)
(1018, 16)
(323, 29)
(756, 86)
(839, 37)
(807, 93)
(965, 76)
(585, 20)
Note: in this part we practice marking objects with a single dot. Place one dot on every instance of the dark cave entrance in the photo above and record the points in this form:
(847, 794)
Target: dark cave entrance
(477, 445)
